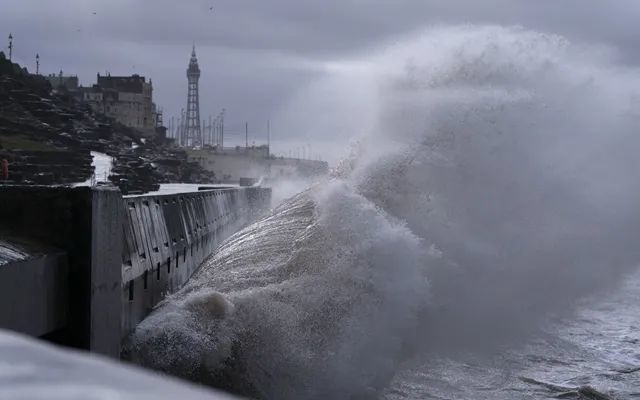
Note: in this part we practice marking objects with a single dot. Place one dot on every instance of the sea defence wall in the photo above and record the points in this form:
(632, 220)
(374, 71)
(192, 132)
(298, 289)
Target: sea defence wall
(166, 238)
(94, 263)
(72, 298)
(34, 287)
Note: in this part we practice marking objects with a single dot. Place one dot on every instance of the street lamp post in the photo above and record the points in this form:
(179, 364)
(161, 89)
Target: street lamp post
(10, 47)
(37, 64)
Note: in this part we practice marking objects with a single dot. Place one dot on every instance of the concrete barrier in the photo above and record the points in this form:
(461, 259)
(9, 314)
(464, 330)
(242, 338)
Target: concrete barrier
(34, 290)
(70, 291)
(97, 263)
(167, 237)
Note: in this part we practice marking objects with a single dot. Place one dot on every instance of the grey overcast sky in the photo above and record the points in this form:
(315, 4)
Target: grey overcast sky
(256, 54)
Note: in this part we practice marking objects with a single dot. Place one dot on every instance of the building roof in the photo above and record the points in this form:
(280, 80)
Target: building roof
(131, 84)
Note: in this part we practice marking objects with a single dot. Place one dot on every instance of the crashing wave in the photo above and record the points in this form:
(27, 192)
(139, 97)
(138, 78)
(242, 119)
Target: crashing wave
(498, 186)
(314, 300)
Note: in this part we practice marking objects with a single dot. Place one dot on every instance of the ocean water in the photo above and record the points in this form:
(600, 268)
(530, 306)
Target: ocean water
(270, 316)
(479, 241)
(592, 355)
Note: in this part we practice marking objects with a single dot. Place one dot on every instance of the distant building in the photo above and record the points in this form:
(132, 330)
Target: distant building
(292, 168)
(234, 163)
(127, 99)
(62, 82)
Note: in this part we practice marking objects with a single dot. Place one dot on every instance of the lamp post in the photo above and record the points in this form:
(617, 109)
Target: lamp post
(37, 64)
(10, 46)
(222, 130)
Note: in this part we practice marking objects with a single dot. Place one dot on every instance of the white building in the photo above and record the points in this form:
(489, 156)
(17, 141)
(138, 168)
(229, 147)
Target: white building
(127, 99)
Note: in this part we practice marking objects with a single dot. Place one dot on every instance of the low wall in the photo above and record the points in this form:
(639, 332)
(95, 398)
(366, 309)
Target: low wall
(34, 294)
(167, 237)
(71, 291)
(109, 259)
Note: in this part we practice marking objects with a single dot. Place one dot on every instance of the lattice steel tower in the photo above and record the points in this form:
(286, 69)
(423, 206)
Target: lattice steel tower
(192, 132)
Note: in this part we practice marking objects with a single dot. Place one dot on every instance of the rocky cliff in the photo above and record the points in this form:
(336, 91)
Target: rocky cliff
(47, 138)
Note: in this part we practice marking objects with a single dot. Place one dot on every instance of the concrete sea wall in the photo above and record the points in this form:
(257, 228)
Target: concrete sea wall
(68, 286)
(167, 237)
(35, 291)
(93, 263)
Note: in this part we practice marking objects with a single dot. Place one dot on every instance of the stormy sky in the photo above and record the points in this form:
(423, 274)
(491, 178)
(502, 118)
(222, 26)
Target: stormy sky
(255, 55)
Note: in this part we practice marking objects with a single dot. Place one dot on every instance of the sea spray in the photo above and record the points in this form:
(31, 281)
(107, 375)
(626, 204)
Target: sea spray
(492, 186)
(317, 301)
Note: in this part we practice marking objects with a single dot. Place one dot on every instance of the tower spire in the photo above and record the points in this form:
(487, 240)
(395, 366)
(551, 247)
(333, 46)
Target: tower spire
(193, 132)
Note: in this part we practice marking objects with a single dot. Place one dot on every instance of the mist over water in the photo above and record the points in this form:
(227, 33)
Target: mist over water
(493, 186)
(512, 154)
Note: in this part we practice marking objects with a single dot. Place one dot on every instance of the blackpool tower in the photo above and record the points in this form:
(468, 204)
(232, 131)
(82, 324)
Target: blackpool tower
(192, 132)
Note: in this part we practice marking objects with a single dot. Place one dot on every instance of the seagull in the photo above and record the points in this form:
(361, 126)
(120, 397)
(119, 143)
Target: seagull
(210, 8)
(94, 13)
